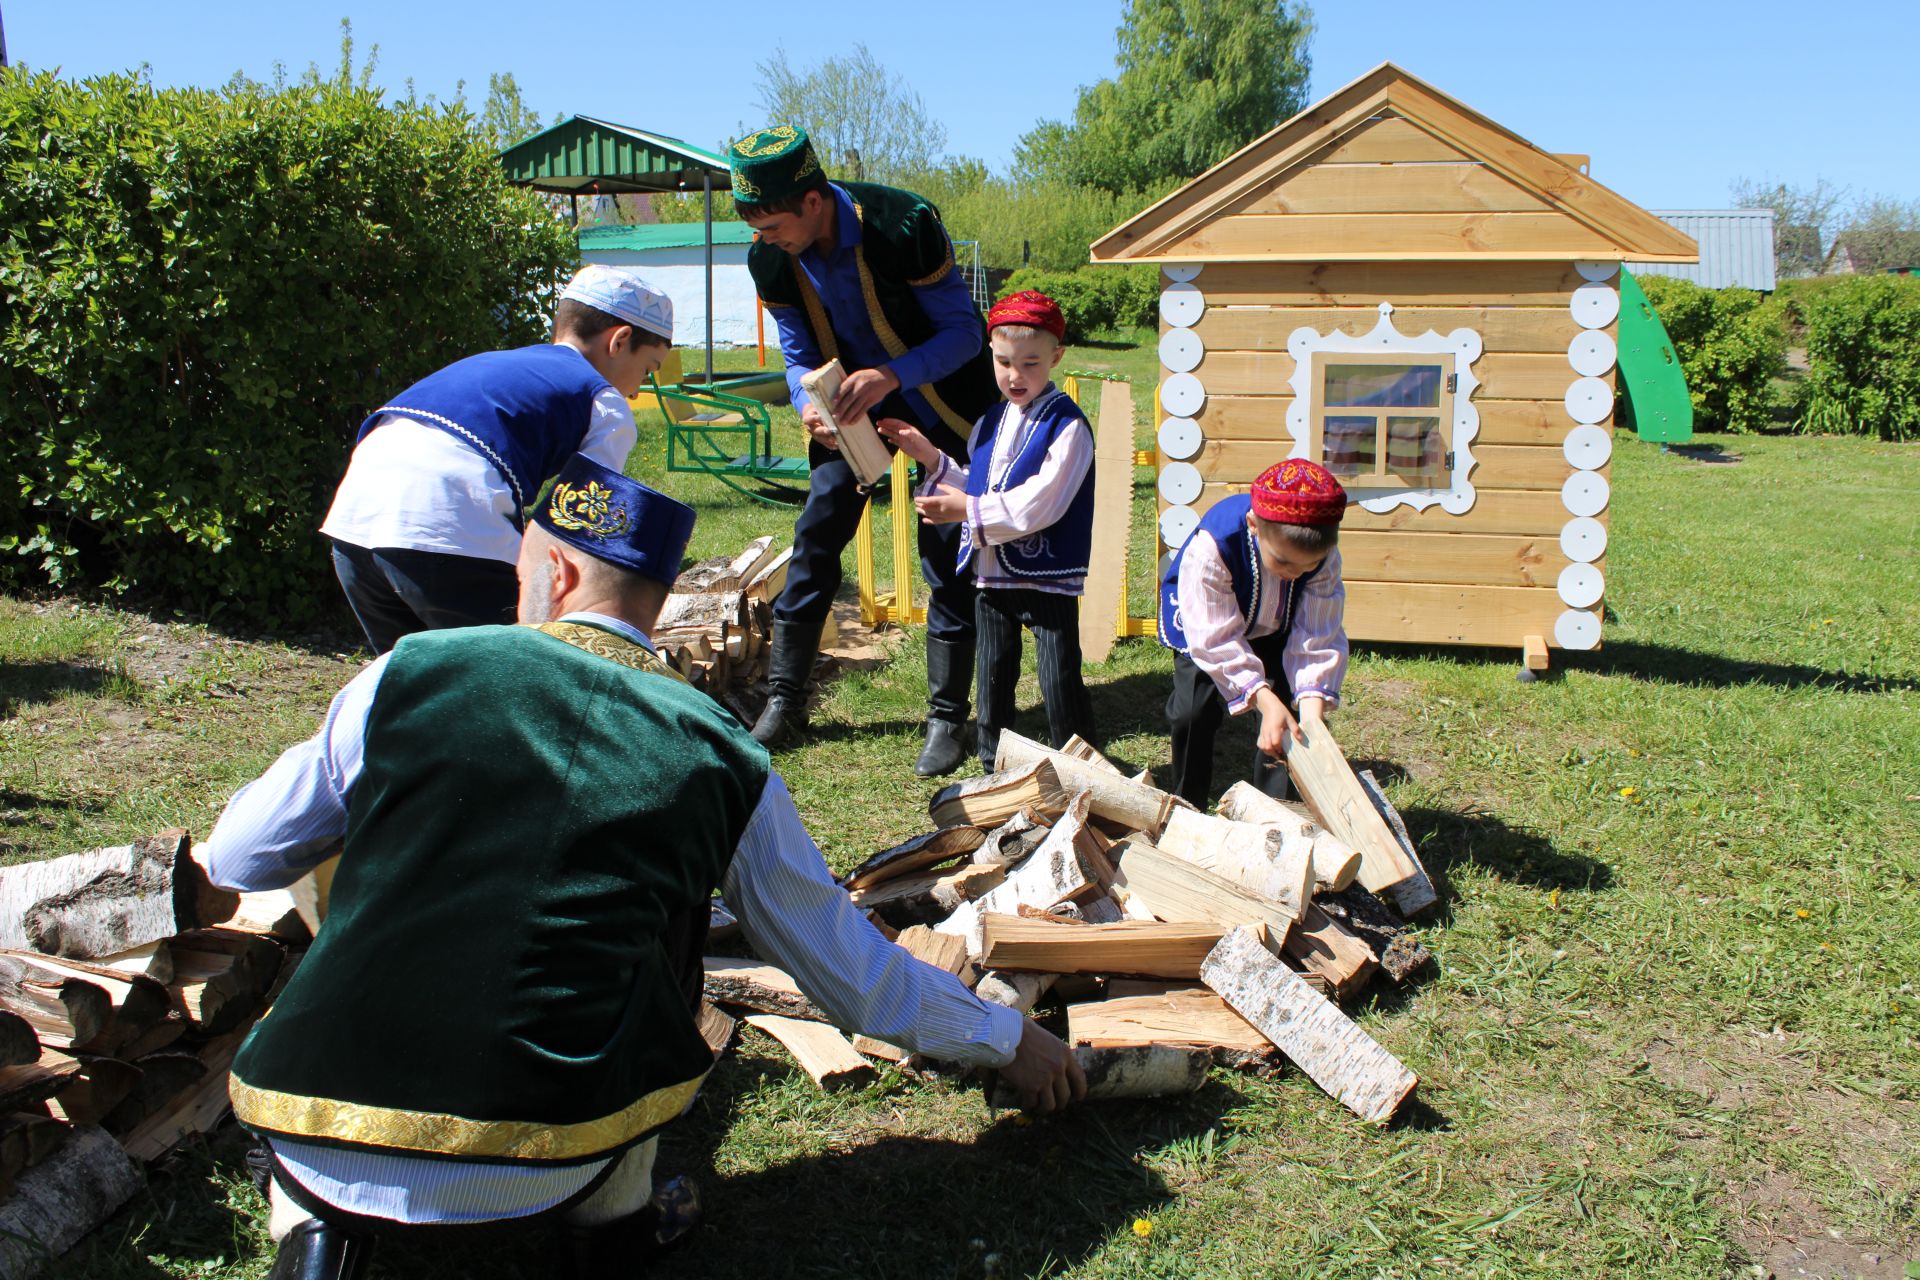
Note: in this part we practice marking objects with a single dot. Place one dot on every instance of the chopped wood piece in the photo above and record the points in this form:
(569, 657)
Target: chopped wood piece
(1017, 991)
(68, 1195)
(722, 574)
(107, 900)
(1052, 873)
(270, 913)
(311, 891)
(26, 1139)
(706, 613)
(155, 1038)
(1128, 1071)
(768, 580)
(1324, 946)
(1128, 946)
(822, 1052)
(941, 950)
(859, 442)
(1175, 889)
(1263, 861)
(716, 1028)
(880, 1049)
(18, 1042)
(1410, 896)
(256, 960)
(924, 898)
(119, 1006)
(1395, 945)
(32, 1083)
(212, 989)
(761, 987)
(968, 884)
(1013, 839)
(917, 854)
(152, 960)
(1323, 1042)
(88, 1098)
(1322, 774)
(1191, 1016)
(1244, 802)
(1085, 752)
(1140, 808)
(988, 801)
(163, 1078)
(62, 1012)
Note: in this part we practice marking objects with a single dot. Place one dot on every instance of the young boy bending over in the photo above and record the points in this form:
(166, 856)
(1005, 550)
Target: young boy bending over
(1025, 505)
(1251, 606)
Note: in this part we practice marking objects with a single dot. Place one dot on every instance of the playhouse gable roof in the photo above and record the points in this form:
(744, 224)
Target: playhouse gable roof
(1391, 169)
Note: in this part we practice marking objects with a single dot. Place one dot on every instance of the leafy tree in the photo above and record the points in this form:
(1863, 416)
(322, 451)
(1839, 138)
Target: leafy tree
(1198, 80)
(1802, 216)
(505, 117)
(866, 122)
(1882, 234)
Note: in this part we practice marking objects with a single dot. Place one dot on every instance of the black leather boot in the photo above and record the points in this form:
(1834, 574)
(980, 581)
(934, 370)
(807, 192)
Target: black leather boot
(796, 645)
(315, 1250)
(949, 682)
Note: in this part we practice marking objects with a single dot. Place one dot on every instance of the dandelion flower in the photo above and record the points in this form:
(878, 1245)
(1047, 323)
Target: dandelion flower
(1628, 791)
(1143, 1227)
(1801, 913)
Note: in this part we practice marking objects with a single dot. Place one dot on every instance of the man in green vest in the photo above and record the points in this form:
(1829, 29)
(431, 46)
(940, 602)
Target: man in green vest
(864, 274)
(499, 1015)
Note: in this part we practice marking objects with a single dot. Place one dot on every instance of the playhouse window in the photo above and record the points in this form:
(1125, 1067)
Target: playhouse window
(1383, 420)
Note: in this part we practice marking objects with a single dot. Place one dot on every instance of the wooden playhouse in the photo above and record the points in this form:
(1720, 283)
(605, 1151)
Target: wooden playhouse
(1395, 285)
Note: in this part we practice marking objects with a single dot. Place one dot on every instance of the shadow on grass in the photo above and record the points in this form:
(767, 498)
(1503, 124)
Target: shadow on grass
(23, 684)
(1665, 664)
(1448, 838)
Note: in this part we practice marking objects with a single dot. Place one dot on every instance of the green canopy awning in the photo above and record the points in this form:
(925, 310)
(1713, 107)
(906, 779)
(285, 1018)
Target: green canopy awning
(583, 156)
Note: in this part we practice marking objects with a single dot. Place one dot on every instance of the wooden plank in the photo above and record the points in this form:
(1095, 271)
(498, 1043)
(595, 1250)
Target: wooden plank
(1423, 613)
(1324, 778)
(822, 1052)
(1544, 330)
(1429, 186)
(1104, 596)
(1264, 417)
(1375, 237)
(1179, 891)
(761, 987)
(1529, 512)
(1325, 946)
(1158, 950)
(1323, 1042)
(1408, 284)
(1509, 466)
(1387, 139)
(1503, 375)
(1533, 652)
(1194, 1016)
(1476, 559)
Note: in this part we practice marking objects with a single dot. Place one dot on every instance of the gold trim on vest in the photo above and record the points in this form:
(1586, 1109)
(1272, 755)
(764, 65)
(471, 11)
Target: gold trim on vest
(605, 644)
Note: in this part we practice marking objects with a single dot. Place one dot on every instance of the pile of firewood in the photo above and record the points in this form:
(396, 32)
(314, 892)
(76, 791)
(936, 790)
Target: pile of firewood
(127, 983)
(1174, 939)
(716, 627)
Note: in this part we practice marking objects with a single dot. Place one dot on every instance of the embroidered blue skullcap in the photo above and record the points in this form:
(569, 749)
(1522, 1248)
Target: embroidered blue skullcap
(611, 518)
(622, 293)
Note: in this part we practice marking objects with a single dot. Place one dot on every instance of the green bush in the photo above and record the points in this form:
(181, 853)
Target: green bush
(1732, 344)
(1863, 357)
(1098, 297)
(201, 295)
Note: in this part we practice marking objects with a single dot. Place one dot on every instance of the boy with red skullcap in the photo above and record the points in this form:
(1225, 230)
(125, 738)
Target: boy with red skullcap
(1025, 507)
(1252, 606)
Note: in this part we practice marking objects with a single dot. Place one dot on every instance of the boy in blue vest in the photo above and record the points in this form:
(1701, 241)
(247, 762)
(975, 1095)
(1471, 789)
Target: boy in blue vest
(1025, 510)
(426, 523)
(1252, 607)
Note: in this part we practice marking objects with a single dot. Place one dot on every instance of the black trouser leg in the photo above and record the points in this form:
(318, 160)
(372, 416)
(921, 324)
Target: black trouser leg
(826, 525)
(1194, 712)
(396, 591)
(1055, 620)
(999, 631)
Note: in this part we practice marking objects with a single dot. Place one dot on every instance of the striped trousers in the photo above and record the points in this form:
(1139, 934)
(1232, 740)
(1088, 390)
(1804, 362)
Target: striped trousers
(999, 614)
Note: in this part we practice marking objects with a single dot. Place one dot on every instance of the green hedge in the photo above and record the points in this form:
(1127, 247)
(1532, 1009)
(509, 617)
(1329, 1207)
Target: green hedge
(202, 294)
(1732, 344)
(1863, 356)
(1097, 298)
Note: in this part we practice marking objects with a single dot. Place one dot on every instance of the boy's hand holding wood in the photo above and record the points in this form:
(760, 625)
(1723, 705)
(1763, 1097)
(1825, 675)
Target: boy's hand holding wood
(1276, 722)
(909, 440)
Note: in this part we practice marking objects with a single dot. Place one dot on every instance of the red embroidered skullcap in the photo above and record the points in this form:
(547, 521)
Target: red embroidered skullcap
(1029, 307)
(1298, 492)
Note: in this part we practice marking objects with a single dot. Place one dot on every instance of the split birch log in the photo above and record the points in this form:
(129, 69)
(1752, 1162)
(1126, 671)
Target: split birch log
(153, 960)
(925, 898)
(991, 800)
(1324, 946)
(91, 1096)
(917, 854)
(941, 950)
(1193, 1017)
(62, 1199)
(822, 1052)
(1244, 802)
(255, 960)
(1307, 1027)
(880, 1049)
(163, 1077)
(770, 578)
(1017, 944)
(1336, 864)
(1116, 1072)
(749, 984)
(1052, 873)
(705, 613)
(1013, 839)
(1262, 861)
(159, 1036)
(1136, 807)
(135, 1001)
(1394, 944)
(1017, 991)
(19, 1044)
(31, 1083)
(1323, 776)
(1085, 752)
(311, 891)
(107, 900)
(721, 574)
(1175, 889)
(716, 1028)
(1410, 896)
(63, 1011)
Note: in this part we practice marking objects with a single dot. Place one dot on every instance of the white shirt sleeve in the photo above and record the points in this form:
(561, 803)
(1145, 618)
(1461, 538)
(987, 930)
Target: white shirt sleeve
(282, 824)
(611, 431)
(1039, 502)
(1316, 655)
(798, 918)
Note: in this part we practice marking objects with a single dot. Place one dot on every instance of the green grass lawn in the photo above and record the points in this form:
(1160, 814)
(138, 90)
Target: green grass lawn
(1671, 1030)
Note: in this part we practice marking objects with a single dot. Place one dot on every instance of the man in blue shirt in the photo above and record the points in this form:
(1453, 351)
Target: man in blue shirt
(864, 274)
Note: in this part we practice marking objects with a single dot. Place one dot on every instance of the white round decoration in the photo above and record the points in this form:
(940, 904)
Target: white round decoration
(1182, 395)
(1180, 482)
(1181, 349)
(1583, 540)
(1596, 270)
(1585, 493)
(1177, 525)
(1591, 354)
(1588, 448)
(1181, 304)
(1581, 585)
(1589, 400)
(1182, 271)
(1594, 305)
(1577, 629)
(1180, 437)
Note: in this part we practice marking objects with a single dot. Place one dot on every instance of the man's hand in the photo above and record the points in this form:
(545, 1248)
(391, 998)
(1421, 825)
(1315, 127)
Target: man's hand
(949, 506)
(909, 439)
(1044, 1072)
(861, 390)
(823, 435)
(1276, 724)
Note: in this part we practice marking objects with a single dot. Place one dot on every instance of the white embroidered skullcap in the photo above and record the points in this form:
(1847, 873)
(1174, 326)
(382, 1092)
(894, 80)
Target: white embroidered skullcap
(620, 292)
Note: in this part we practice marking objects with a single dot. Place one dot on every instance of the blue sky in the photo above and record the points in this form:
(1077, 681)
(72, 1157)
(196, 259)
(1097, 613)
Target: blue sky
(1673, 100)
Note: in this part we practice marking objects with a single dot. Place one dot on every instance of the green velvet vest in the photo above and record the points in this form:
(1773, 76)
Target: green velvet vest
(504, 970)
(902, 245)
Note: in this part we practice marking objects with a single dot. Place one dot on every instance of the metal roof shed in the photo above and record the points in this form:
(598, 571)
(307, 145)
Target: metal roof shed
(583, 156)
(1736, 248)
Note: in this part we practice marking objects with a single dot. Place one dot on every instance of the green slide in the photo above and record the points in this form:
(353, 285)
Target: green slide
(1656, 388)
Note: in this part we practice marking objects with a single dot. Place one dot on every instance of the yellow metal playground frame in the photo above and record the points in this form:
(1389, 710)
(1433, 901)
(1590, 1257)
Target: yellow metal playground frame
(878, 606)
